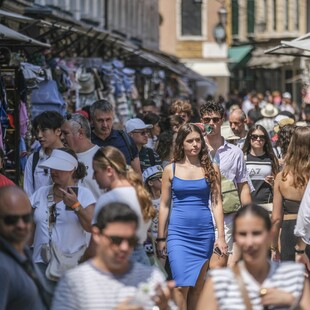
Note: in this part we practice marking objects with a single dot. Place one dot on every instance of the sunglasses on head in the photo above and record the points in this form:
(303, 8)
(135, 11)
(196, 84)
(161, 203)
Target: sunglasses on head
(256, 137)
(116, 240)
(207, 120)
(13, 219)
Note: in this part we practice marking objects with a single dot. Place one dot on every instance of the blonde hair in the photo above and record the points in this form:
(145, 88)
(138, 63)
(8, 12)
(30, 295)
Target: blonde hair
(179, 106)
(297, 159)
(111, 156)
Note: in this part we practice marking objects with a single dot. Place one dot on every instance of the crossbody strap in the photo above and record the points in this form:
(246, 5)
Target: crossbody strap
(28, 267)
(242, 287)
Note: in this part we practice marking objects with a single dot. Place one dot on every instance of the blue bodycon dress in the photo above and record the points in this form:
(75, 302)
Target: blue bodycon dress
(190, 231)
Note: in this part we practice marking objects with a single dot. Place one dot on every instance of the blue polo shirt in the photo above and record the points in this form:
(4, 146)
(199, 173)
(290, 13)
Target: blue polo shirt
(115, 139)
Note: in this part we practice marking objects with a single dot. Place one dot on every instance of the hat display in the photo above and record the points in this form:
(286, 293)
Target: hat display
(60, 160)
(136, 124)
(152, 173)
(228, 134)
(269, 110)
(283, 122)
(87, 83)
(287, 95)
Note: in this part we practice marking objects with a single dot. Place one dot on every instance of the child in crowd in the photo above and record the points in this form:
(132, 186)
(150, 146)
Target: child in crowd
(152, 180)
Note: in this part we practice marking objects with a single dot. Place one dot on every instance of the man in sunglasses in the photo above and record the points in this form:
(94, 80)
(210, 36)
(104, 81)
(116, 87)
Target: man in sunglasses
(110, 280)
(232, 166)
(139, 132)
(21, 285)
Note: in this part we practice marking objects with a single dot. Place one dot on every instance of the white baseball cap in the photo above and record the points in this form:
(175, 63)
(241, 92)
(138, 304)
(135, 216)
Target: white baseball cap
(287, 95)
(136, 124)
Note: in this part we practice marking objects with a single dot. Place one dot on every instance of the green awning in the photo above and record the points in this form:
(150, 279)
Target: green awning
(238, 56)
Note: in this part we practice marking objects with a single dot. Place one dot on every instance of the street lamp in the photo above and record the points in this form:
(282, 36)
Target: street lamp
(219, 31)
(222, 13)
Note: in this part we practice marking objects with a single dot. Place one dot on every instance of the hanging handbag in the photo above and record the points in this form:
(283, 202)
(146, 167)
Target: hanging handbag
(230, 196)
(58, 262)
(61, 262)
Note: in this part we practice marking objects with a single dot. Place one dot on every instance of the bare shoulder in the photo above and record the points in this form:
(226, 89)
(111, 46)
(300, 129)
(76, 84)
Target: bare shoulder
(279, 177)
(168, 167)
(168, 171)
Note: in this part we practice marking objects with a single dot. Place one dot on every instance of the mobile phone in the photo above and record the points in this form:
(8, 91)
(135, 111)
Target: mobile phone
(217, 251)
(74, 188)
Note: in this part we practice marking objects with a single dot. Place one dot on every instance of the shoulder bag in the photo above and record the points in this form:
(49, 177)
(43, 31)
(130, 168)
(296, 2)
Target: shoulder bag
(242, 287)
(230, 196)
(59, 262)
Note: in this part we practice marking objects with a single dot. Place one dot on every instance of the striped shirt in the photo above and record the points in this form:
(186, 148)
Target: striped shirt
(87, 287)
(286, 276)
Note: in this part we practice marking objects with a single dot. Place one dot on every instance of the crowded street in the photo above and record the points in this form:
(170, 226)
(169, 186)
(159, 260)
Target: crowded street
(154, 154)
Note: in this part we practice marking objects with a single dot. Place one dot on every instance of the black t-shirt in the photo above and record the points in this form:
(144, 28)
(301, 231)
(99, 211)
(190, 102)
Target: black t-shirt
(258, 168)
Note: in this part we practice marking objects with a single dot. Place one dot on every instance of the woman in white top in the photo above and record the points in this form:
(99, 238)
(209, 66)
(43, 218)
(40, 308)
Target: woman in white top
(255, 280)
(62, 211)
(123, 185)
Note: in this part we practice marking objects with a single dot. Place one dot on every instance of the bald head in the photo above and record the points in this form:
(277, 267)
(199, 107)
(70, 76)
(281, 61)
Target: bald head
(10, 198)
(237, 121)
(15, 216)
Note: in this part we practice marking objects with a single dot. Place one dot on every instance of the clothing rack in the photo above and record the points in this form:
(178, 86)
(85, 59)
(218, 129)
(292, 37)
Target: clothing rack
(11, 135)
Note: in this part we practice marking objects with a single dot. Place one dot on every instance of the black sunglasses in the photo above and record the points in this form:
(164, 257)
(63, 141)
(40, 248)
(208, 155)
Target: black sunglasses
(142, 133)
(116, 240)
(52, 214)
(255, 137)
(13, 219)
(215, 120)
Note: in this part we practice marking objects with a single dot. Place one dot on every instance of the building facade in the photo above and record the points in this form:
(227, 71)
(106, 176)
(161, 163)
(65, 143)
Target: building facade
(187, 31)
(135, 20)
(256, 26)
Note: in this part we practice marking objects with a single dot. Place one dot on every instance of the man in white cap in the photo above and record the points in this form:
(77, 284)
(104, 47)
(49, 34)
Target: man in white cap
(138, 131)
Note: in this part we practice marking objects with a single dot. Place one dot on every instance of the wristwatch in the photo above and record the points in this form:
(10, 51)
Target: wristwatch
(78, 208)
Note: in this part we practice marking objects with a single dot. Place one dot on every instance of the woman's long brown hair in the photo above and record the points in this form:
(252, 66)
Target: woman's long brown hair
(297, 159)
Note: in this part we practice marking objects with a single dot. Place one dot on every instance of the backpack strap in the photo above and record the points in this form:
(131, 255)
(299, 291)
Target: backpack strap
(150, 153)
(128, 143)
(35, 160)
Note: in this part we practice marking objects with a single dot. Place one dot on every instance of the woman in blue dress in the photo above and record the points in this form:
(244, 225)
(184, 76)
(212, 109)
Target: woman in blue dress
(187, 185)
